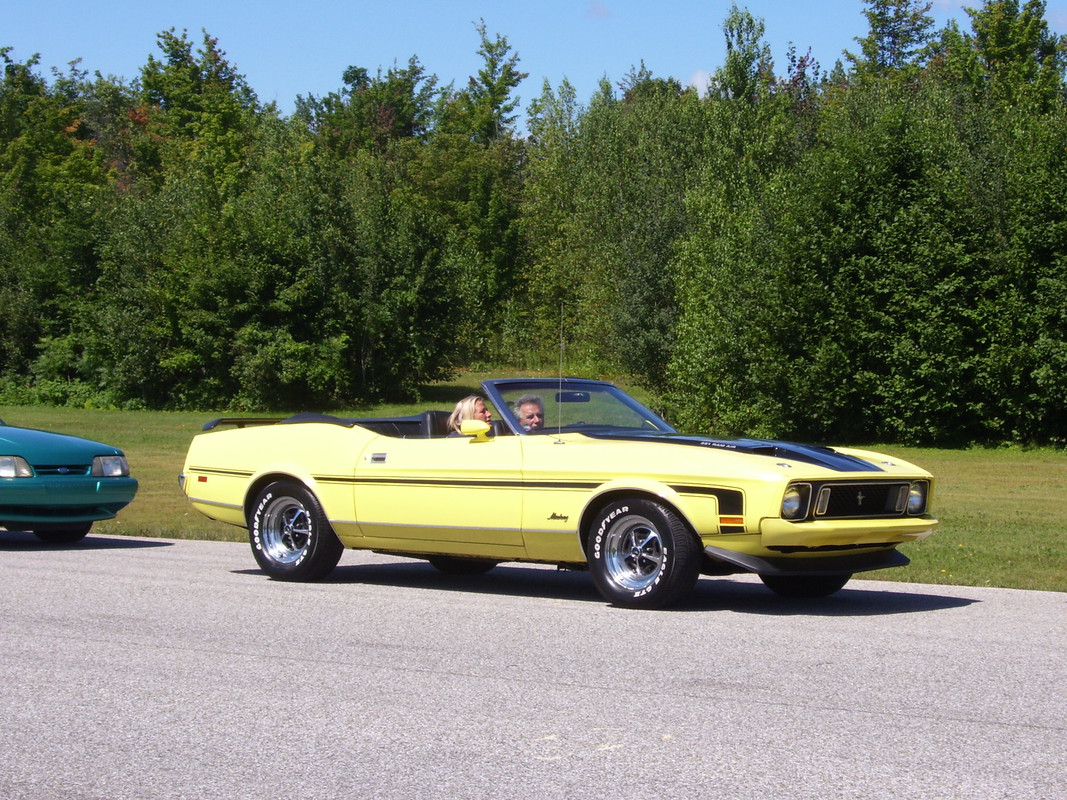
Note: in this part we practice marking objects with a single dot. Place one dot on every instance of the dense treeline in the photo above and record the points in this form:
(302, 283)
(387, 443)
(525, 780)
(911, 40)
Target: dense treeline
(874, 252)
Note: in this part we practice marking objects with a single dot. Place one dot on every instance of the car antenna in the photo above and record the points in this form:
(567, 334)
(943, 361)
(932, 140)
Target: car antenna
(559, 404)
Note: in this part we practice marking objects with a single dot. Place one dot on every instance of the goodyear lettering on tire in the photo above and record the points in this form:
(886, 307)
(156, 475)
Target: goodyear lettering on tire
(615, 512)
(257, 517)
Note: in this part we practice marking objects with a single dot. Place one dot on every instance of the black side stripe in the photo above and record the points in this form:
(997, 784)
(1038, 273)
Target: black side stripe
(466, 484)
(731, 501)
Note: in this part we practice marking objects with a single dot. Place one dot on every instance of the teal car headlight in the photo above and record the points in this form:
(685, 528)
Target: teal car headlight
(110, 467)
(14, 467)
(917, 497)
(795, 501)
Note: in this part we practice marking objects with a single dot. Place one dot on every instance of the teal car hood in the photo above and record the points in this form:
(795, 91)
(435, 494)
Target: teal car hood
(42, 447)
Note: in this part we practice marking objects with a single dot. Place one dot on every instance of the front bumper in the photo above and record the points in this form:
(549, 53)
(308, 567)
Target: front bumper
(835, 564)
(777, 533)
(62, 499)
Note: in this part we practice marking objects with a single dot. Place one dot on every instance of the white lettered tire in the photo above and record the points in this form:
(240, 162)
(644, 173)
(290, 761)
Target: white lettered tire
(290, 536)
(642, 554)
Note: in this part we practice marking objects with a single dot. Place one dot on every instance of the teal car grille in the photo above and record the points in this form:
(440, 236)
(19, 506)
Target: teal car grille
(62, 469)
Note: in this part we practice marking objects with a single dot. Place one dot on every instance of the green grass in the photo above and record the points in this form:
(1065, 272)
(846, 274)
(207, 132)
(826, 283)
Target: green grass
(1003, 519)
(1002, 512)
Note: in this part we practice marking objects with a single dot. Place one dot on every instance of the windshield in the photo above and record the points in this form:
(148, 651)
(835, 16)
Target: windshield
(553, 406)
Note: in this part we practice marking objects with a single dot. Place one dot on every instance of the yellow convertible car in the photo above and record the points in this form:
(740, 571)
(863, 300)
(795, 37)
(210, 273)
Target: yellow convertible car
(576, 473)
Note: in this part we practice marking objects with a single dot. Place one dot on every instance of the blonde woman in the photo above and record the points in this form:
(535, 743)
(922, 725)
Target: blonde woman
(470, 407)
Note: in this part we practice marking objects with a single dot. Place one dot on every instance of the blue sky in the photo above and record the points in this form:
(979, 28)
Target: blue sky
(285, 48)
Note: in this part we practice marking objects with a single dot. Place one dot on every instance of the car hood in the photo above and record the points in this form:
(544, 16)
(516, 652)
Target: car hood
(824, 457)
(43, 447)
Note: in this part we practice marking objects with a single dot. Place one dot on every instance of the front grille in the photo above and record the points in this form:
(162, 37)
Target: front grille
(62, 469)
(851, 500)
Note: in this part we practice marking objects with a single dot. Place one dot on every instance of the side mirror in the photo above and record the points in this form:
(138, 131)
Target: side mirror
(476, 428)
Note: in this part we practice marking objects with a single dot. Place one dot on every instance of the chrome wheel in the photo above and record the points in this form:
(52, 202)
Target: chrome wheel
(286, 530)
(641, 554)
(633, 552)
(290, 535)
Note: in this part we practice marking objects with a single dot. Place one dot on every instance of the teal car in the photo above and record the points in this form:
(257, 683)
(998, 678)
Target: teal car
(57, 486)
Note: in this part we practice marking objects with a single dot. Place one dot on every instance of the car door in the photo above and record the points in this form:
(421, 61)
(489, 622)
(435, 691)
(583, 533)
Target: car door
(413, 494)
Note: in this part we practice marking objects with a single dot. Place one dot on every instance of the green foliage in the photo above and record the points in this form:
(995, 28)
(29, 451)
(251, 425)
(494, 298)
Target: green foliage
(1022, 59)
(52, 197)
(606, 206)
(484, 110)
(748, 69)
(897, 39)
(897, 296)
(373, 112)
(316, 286)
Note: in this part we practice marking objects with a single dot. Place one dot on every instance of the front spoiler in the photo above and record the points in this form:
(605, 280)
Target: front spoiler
(830, 565)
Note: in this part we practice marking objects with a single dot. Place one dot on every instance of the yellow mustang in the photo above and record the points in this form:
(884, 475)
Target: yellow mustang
(577, 474)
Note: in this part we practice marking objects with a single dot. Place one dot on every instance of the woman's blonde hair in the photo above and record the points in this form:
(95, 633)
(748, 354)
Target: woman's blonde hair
(464, 410)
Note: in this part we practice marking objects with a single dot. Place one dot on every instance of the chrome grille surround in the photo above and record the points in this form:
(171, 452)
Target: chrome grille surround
(862, 499)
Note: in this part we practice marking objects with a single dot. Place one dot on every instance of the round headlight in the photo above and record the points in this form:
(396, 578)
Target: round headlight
(795, 503)
(917, 497)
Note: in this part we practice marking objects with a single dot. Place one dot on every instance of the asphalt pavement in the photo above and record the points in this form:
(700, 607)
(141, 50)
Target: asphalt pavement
(144, 668)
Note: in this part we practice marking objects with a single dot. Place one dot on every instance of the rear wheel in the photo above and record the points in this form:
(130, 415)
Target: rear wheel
(642, 555)
(63, 535)
(805, 585)
(290, 535)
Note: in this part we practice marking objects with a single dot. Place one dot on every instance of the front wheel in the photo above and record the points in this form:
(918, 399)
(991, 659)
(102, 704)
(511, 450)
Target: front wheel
(290, 535)
(63, 534)
(642, 555)
(805, 586)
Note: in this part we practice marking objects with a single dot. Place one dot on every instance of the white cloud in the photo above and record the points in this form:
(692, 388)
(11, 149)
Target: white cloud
(700, 80)
(598, 10)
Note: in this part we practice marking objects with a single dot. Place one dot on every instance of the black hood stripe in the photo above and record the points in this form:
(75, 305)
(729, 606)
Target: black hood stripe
(784, 451)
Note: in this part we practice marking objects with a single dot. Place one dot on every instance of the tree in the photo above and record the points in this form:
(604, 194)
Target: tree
(550, 223)
(899, 32)
(485, 109)
(469, 175)
(1022, 59)
(749, 68)
(53, 200)
(167, 258)
(197, 109)
(374, 111)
